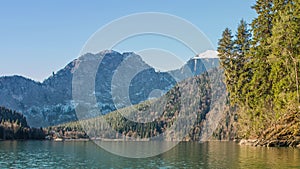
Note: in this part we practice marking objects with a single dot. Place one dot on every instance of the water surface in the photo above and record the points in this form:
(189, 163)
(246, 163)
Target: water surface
(47, 154)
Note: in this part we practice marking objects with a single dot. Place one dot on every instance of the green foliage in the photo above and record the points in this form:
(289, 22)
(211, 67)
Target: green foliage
(226, 55)
(266, 66)
(285, 55)
(232, 53)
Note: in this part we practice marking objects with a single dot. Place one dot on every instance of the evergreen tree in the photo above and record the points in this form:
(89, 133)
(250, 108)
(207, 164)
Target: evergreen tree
(241, 50)
(267, 93)
(226, 53)
(258, 89)
(243, 41)
(285, 43)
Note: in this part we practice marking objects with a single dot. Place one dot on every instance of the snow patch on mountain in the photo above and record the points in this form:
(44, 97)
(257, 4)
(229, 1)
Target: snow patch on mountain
(209, 54)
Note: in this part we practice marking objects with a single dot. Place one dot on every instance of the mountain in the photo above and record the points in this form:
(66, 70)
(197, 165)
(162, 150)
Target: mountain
(189, 111)
(50, 102)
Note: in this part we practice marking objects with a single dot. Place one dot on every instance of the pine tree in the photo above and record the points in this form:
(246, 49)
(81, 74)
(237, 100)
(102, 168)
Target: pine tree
(241, 49)
(243, 40)
(258, 89)
(225, 49)
(285, 45)
(267, 92)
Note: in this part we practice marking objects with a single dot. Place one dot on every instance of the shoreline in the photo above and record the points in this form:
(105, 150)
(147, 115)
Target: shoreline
(242, 142)
(269, 143)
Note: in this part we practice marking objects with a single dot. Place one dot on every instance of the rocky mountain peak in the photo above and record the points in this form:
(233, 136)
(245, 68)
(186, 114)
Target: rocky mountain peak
(51, 103)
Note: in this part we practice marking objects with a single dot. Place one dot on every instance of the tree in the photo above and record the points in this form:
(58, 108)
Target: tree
(266, 95)
(258, 89)
(225, 49)
(232, 55)
(241, 50)
(285, 46)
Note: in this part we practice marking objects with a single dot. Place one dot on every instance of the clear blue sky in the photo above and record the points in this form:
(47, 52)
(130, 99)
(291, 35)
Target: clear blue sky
(39, 37)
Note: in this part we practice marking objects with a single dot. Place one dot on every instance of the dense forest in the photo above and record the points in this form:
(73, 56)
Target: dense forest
(261, 68)
(14, 126)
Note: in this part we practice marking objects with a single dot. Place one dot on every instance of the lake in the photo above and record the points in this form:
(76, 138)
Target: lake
(48, 154)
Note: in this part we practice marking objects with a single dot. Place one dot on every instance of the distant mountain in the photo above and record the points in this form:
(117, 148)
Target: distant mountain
(50, 102)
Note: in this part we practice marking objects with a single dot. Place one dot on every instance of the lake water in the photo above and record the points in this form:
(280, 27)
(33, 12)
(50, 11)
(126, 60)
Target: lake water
(48, 154)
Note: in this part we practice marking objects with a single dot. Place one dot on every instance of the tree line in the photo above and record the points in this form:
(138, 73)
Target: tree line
(13, 125)
(261, 68)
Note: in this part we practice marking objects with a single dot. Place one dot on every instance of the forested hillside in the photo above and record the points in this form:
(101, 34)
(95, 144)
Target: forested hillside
(261, 67)
(189, 111)
(13, 125)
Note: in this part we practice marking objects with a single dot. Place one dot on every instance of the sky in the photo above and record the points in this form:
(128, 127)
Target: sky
(41, 37)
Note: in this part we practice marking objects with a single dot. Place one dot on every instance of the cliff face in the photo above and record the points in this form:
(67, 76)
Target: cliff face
(50, 102)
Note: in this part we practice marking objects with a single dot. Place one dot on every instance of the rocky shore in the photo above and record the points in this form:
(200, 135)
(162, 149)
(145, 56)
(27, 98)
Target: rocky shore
(270, 143)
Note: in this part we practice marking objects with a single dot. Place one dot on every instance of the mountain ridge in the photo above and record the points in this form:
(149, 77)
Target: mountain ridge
(50, 102)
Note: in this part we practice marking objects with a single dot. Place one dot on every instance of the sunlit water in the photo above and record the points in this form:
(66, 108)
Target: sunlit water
(47, 154)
